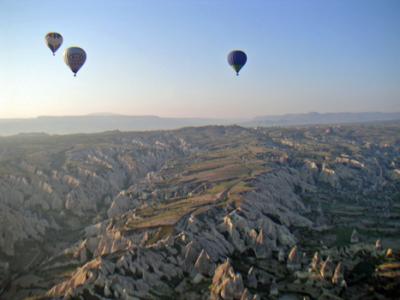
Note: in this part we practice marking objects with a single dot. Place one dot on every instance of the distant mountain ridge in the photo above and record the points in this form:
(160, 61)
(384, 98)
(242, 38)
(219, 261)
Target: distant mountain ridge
(322, 118)
(100, 122)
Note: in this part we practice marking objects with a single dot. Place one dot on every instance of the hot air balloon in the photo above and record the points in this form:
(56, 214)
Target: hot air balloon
(53, 41)
(237, 59)
(74, 57)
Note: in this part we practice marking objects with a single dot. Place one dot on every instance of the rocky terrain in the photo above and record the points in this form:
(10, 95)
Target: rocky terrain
(202, 213)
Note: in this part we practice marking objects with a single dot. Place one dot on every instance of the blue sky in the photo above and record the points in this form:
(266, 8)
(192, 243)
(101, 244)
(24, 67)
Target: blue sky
(168, 57)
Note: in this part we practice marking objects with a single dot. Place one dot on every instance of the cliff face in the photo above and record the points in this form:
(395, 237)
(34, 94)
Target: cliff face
(151, 215)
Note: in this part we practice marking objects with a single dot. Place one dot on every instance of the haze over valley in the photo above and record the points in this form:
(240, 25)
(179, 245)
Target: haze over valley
(108, 122)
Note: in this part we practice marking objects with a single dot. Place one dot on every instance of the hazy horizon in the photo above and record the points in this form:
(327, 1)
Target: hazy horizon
(96, 123)
(168, 58)
(112, 114)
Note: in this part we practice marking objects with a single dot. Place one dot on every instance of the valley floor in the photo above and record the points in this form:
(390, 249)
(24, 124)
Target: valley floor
(202, 213)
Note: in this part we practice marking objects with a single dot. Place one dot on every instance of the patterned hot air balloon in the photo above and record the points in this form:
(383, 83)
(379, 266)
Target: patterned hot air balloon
(74, 57)
(53, 41)
(237, 59)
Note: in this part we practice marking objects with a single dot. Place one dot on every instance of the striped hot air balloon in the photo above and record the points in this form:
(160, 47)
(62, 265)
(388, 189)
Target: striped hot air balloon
(74, 57)
(53, 41)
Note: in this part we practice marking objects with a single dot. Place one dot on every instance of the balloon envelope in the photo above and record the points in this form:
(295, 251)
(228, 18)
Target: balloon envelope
(74, 57)
(237, 59)
(53, 41)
